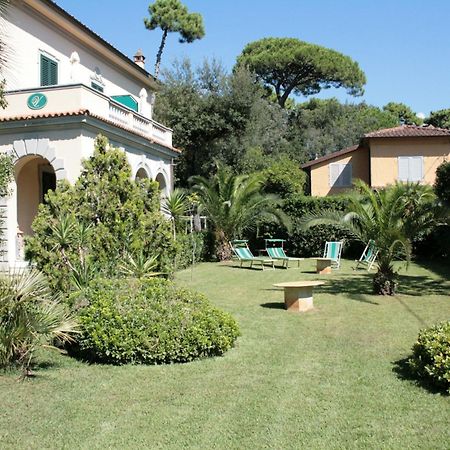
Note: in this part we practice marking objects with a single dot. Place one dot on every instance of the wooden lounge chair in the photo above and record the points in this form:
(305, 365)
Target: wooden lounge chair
(333, 251)
(243, 253)
(368, 256)
(275, 249)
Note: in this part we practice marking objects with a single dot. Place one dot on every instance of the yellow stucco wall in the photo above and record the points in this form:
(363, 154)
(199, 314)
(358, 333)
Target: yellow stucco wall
(320, 176)
(384, 154)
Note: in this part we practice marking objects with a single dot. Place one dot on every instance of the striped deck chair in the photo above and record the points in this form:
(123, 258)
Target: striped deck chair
(275, 249)
(243, 253)
(333, 251)
(368, 256)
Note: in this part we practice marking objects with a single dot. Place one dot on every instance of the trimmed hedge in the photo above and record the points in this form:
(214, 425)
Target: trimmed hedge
(431, 356)
(150, 322)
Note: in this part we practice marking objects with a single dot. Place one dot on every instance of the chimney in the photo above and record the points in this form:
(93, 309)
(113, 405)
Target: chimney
(139, 59)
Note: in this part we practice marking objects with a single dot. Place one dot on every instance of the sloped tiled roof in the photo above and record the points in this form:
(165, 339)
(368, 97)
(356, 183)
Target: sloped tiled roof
(409, 131)
(330, 156)
(84, 112)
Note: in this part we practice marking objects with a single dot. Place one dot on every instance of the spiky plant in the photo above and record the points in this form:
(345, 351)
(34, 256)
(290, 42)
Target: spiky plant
(30, 317)
(175, 206)
(235, 204)
(391, 217)
(139, 266)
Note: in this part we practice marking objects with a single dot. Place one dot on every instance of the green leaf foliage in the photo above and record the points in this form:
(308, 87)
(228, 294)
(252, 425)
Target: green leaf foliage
(319, 127)
(391, 217)
(430, 361)
(405, 115)
(217, 116)
(122, 216)
(235, 204)
(30, 317)
(288, 65)
(151, 322)
(440, 118)
(173, 17)
(442, 183)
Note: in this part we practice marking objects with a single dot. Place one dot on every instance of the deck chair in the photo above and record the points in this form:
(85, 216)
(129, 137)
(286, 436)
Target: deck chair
(243, 254)
(368, 256)
(275, 249)
(333, 251)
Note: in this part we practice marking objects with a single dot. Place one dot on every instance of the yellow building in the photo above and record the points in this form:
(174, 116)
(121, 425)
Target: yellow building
(404, 153)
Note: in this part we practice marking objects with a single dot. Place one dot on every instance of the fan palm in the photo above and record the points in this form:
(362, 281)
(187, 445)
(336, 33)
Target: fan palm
(391, 217)
(235, 204)
(30, 316)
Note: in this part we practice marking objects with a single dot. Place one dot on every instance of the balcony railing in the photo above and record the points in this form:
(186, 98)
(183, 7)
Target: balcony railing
(72, 98)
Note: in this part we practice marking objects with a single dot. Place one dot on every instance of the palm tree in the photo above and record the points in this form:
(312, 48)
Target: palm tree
(235, 204)
(30, 316)
(391, 217)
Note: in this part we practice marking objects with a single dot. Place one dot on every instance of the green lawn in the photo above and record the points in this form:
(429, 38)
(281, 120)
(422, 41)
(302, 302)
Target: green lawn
(326, 379)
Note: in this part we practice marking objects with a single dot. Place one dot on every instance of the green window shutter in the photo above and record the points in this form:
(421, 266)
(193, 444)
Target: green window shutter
(49, 71)
(126, 100)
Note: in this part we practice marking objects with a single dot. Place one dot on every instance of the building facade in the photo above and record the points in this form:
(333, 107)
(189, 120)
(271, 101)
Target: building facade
(64, 86)
(404, 153)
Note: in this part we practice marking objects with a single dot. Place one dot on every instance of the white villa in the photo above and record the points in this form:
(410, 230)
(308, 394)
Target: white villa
(64, 86)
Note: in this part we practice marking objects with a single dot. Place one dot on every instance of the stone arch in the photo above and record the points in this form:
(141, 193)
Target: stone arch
(39, 147)
(161, 178)
(141, 174)
(36, 171)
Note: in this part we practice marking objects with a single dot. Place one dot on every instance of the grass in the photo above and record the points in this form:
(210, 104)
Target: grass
(330, 378)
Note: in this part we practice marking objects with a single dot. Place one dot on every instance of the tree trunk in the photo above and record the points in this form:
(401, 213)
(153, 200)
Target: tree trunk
(159, 54)
(384, 282)
(223, 250)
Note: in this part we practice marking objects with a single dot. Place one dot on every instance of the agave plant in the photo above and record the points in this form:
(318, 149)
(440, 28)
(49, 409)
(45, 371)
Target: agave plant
(139, 266)
(30, 317)
(234, 204)
(391, 217)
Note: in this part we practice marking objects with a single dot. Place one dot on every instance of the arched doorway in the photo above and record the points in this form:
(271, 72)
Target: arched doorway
(35, 176)
(141, 174)
(160, 178)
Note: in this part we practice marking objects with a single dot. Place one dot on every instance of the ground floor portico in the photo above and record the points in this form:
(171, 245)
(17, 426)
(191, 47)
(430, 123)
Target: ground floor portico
(48, 149)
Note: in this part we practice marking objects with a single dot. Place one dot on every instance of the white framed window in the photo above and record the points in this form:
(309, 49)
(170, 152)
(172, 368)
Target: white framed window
(410, 168)
(340, 175)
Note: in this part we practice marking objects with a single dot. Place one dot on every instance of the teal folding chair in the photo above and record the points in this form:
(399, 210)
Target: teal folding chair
(368, 256)
(333, 251)
(275, 249)
(243, 254)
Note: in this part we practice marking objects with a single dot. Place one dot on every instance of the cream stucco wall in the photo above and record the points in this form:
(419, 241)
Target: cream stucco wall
(320, 178)
(27, 35)
(385, 152)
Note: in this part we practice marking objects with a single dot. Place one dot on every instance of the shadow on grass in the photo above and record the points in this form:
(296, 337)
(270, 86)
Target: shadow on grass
(439, 266)
(403, 371)
(356, 288)
(422, 285)
(273, 305)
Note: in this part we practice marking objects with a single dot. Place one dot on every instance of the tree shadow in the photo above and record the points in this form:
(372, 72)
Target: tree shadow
(357, 288)
(403, 372)
(439, 267)
(420, 285)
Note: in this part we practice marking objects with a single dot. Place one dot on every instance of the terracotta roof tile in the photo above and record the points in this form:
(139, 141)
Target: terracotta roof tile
(409, 131)
(330, 156)
(84, 112)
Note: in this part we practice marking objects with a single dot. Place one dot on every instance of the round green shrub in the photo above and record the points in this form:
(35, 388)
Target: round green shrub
(431, 356)
(150, 322)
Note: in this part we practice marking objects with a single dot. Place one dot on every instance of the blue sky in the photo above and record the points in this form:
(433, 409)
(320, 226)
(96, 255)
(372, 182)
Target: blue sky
(403, 46)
